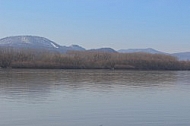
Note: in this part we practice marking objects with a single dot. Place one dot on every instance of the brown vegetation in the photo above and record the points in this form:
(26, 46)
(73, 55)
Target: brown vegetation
(89, 60)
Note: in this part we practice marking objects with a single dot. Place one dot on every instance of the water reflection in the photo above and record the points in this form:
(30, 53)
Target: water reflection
(40, 83)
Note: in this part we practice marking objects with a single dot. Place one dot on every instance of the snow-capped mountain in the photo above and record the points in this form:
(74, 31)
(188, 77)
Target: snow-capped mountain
(35, 42)
(28, 41)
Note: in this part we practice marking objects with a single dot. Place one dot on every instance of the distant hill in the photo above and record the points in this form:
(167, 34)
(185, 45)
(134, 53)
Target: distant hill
(76, 47)
(182, 55)
(147, 50)
(109, 50)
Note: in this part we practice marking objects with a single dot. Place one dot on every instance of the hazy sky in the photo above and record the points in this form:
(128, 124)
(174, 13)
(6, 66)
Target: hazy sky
(121, 24)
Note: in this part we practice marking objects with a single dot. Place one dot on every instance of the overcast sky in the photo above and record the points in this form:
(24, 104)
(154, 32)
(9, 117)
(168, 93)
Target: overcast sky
(120, 24)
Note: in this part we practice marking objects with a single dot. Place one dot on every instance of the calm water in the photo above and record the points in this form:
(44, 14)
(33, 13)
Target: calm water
(94, 98)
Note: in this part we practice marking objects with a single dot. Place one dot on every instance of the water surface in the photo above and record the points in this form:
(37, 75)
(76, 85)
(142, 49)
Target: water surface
(94, 98)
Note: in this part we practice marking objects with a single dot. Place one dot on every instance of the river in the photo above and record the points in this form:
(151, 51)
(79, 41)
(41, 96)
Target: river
(94, 98)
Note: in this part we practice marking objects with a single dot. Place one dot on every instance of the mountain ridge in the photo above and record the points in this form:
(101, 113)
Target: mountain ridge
(37, 42)
(145, 50)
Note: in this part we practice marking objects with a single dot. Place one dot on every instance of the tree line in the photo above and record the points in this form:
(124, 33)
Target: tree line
(27, 58)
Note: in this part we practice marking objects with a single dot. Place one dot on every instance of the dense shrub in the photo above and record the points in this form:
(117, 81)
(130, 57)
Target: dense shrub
(89, 60)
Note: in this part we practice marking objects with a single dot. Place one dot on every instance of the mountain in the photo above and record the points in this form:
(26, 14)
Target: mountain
(35, 42)
(147, 50)
(28, 41)
(182, 55)
(109, 50)
(76, 47)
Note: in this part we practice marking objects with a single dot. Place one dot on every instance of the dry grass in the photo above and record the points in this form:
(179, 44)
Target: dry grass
(89, 60)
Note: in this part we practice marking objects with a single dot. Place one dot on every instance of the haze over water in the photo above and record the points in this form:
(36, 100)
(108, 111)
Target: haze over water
(94, 98)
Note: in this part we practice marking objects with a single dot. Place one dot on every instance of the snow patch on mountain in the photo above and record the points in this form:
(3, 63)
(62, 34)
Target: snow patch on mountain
(24, 39)
(54, 45)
